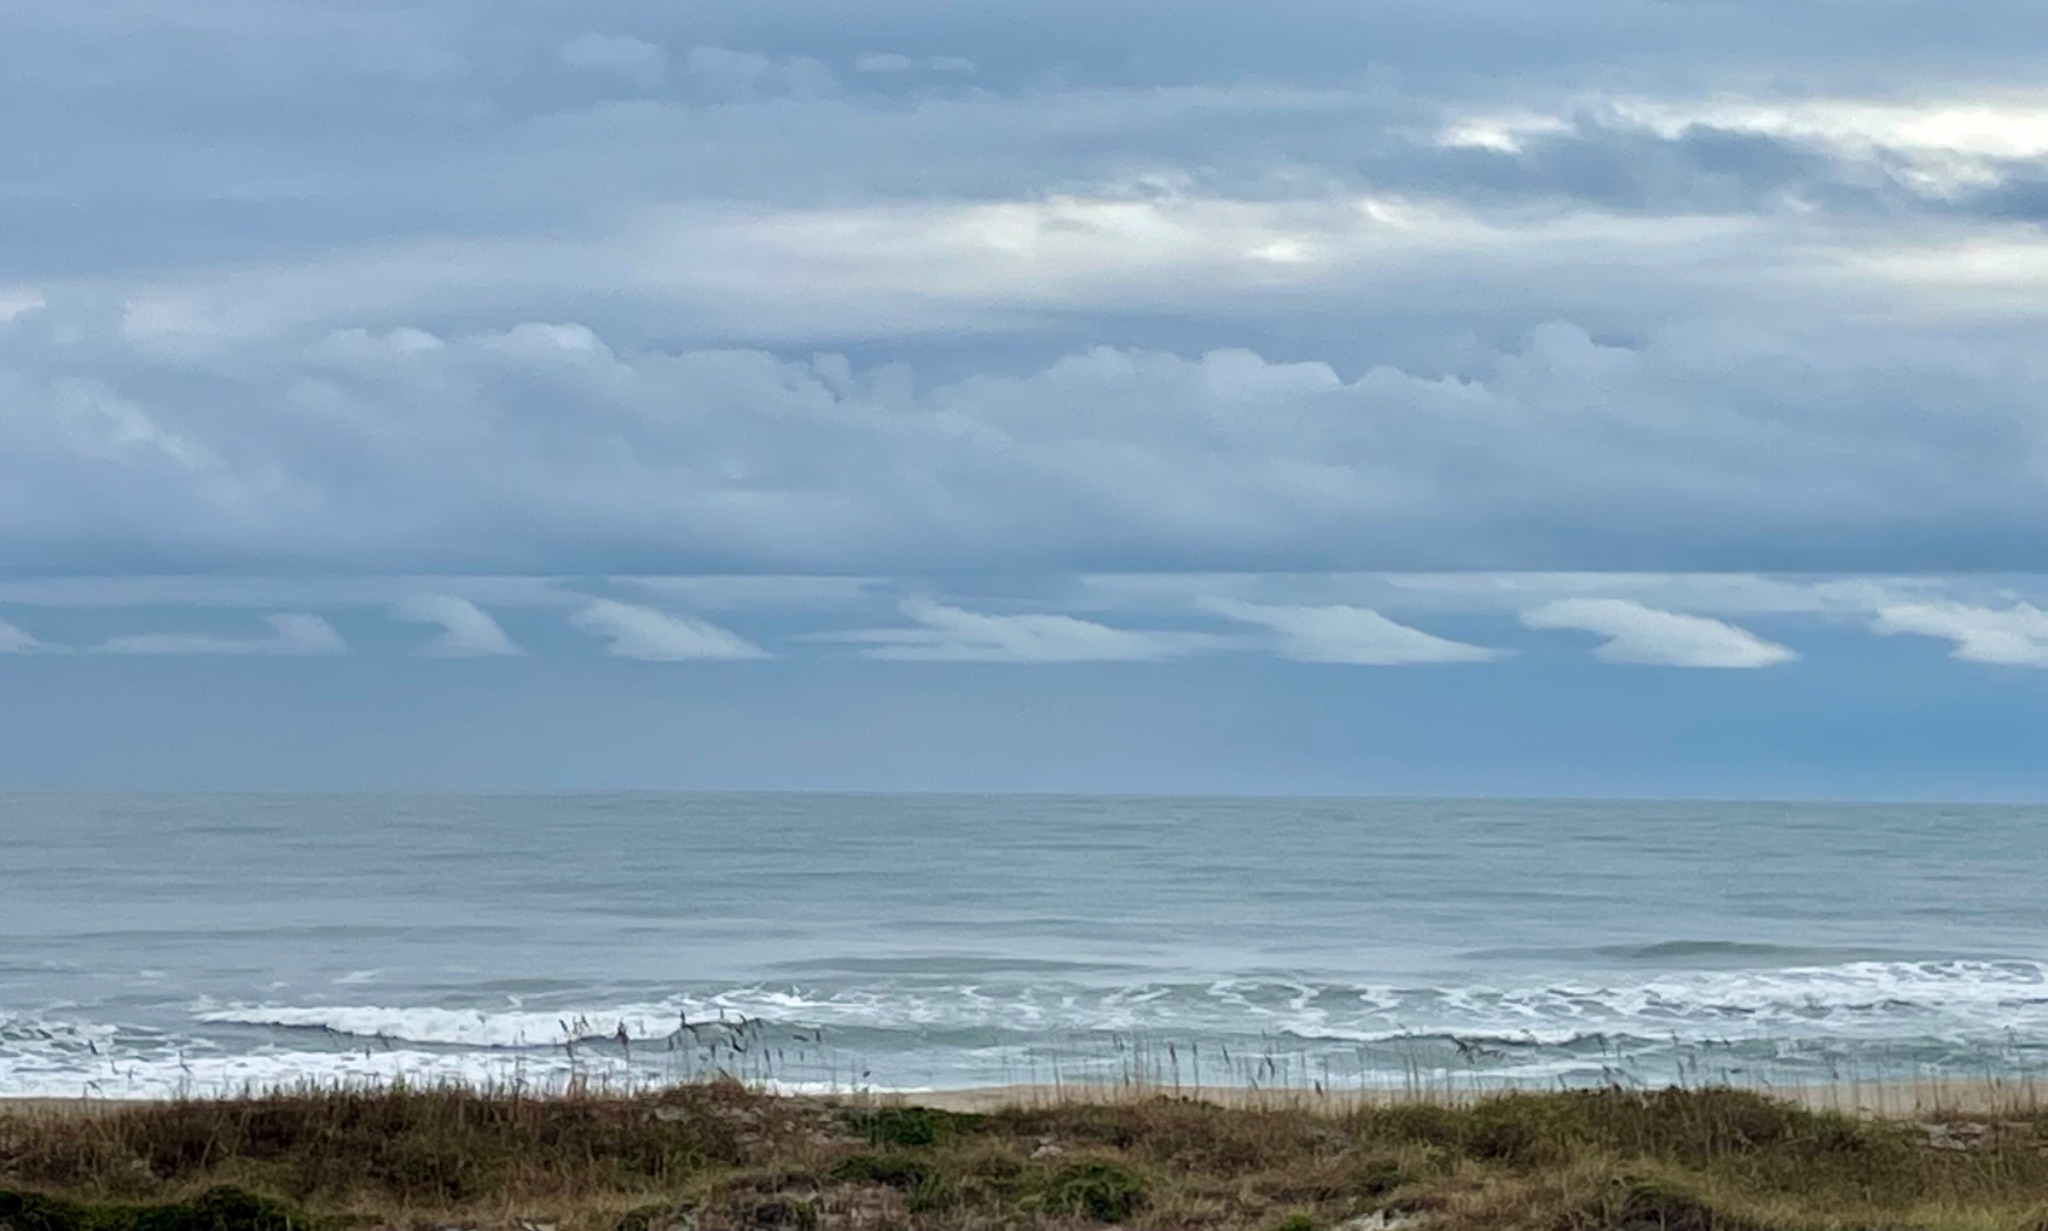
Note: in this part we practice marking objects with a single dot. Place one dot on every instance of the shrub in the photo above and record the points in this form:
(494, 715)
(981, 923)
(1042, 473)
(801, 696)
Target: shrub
(1101, 1191)
(897, 1171)
(916, 1127)
(218, 1209)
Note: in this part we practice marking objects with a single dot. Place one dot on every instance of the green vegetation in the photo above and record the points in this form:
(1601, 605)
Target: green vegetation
(219, 1209)
(719, 1157)
(915, 1126)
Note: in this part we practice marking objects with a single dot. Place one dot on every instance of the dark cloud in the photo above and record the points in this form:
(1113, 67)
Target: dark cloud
(220, 131)
(1636, 283)
(541, 448)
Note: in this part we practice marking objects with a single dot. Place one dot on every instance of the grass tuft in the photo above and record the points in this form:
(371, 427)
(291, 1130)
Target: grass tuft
(720, 1157)
(915, 1126)
(899, 1171)
(218, 1209)
(1099, 1190)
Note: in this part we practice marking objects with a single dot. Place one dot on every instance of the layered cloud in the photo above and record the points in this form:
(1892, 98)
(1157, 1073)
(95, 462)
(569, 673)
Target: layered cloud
(545, 447)
(292, 633)
(915, 288)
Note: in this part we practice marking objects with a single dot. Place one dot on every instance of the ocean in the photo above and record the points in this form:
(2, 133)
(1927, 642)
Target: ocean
(155, 945)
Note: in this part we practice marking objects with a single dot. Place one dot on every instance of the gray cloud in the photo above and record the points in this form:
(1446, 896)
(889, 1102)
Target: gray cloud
(1146, 42)
(544, 448)
(759, 133)
(1716, 593)
(308, 133)
(633, 58)
(758, 593)
(723, 74)
(884, 62)
(1579, 286)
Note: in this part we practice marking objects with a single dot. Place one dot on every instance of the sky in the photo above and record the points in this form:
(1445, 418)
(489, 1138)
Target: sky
(1583, 397)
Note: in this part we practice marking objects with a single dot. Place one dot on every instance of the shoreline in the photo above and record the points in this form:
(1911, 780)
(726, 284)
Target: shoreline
(1895, 1099)
(1878, 1099)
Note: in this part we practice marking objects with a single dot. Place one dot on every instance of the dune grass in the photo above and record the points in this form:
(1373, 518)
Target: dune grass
(719, 1155)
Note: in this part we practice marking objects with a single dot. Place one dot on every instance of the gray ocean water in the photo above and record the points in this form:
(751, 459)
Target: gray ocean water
(156, 944)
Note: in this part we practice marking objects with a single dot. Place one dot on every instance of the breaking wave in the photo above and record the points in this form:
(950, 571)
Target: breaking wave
(1969, 1016)
(1870, 1000)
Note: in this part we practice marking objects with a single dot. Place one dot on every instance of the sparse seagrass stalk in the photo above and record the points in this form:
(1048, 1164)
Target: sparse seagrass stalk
(720, 1156)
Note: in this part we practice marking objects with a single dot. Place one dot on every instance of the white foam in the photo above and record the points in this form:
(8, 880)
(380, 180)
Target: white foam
(1958, 999)
(1955, 1012)
(511, 1029)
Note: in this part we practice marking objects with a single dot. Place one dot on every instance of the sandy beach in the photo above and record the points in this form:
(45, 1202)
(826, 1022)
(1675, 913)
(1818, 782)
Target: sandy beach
(1897, 1099)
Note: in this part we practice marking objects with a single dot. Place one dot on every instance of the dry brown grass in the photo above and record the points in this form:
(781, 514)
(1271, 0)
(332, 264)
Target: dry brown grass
(717, 1156)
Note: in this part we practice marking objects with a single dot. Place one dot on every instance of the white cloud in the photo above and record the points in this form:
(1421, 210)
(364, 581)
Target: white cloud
(1936, 148)
(896, 62)
(15, 301)
(15, 640)
(1719, 593)
(293, 634)
(1648, 636)
(1985, 125)
(1358, 618)
(953, 634)
(633, 58)
(1162, 241)
(467, 631)
(1344, 634)
(2015, 636)
(658, 636)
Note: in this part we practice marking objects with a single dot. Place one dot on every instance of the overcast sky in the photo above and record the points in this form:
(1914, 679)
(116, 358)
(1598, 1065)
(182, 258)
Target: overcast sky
(1582, 396)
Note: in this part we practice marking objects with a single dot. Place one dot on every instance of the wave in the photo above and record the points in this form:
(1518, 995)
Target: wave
(1697, 954)
(1960, 1017)
(1869, 1000)
(1694, 950)
(500, 1030)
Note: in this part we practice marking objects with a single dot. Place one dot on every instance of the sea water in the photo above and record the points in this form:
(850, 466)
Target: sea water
(152, 945)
